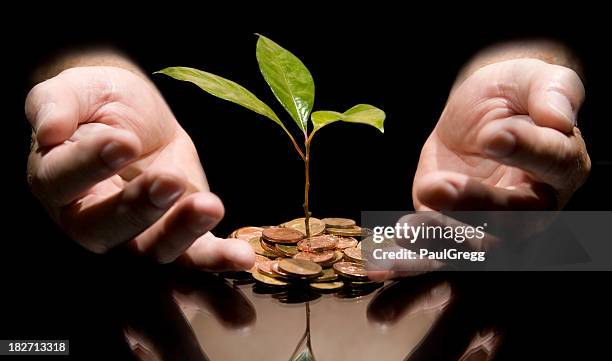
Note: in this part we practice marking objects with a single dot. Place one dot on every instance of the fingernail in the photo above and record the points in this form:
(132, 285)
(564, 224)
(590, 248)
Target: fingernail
(43, 114)
(164, 192)
(561, 105)
(114, 155)
(502, 145)
(203, 224)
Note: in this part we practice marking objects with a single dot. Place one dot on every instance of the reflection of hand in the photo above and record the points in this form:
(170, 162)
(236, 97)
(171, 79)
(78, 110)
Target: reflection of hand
(461, 331)
(506, 140)
(112, 165)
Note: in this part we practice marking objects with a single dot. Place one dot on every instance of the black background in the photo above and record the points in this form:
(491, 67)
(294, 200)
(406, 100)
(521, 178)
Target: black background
(402, 61)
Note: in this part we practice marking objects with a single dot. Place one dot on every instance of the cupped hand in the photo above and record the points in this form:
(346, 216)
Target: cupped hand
(112, 166)
(506, 140)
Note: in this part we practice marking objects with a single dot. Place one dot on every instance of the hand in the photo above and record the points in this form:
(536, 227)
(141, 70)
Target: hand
(111, 165)
(507, 140)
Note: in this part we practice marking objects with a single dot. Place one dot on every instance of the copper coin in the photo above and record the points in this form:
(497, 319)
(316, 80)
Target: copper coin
(318, 243)
(354, 254)
(346, 242)
(299, 267)
(354, 231)
(266, 268)
(246, 233)
(338, 256)
(278, 272)
(258, 249)
(316, 257)
(351, 270)
(338, 222)
(317, 226)
(282, 235)
(269, 248)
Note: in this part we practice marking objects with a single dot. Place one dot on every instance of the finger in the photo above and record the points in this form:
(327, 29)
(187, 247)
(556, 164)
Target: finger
(547, 154)
(62, 174)
(450, 191)
(103, 222)
(211, 253)
(191, 218)
(554, 97)
(53, 108)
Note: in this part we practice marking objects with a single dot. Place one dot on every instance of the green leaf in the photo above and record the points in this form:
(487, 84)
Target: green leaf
(288, 78)
(222, 88)
(361, 113)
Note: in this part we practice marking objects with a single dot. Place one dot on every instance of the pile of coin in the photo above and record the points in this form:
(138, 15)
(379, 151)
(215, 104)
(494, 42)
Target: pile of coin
(330, 260)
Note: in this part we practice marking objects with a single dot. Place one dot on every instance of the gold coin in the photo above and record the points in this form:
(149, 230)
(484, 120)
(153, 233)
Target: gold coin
(299, 267)
(287, 250)
(256, 245)
(338, 222)
(354, 254)
(354, 231)
(246, 233)
(346, 242)
(327, 275)
(269, 281)
(317, 226)
(327, 286)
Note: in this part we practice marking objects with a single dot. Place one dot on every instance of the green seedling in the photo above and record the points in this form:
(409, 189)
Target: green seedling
(293, 86)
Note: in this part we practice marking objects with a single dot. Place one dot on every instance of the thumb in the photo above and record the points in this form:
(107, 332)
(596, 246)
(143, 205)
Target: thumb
(52, 108)
(555, 95)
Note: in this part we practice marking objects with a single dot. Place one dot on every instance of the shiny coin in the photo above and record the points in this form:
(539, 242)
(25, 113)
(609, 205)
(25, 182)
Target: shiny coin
(281, 235)
(351, 270)
(338, 222)
(354, 231)
(327, 275)
(318, 243)
(317, 226)
(299, 267)
(287, 250)
(327, 286)
(346, 242)
(258, 249)
(354, 254)
(268, 281)
(269, 248)
(247, 233)
(316, 257)
(266, 268)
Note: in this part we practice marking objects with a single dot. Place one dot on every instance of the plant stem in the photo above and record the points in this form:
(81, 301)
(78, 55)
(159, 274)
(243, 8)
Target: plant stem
(307, 183)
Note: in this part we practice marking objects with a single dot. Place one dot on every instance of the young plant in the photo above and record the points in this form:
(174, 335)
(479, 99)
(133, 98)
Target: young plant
(293, 86)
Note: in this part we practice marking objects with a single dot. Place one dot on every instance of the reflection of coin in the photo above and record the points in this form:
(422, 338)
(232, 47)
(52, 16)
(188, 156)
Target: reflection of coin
(327, 286)
(346, 242)
(281, 235)
(316, 257)
(351, 270)
(354, 254)
(268, 281)
(266, 268)
(338, 222)
(355, 231)
(318, 243)
(317, 226)
(257, 248)
(246, 233)
(299, 267)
